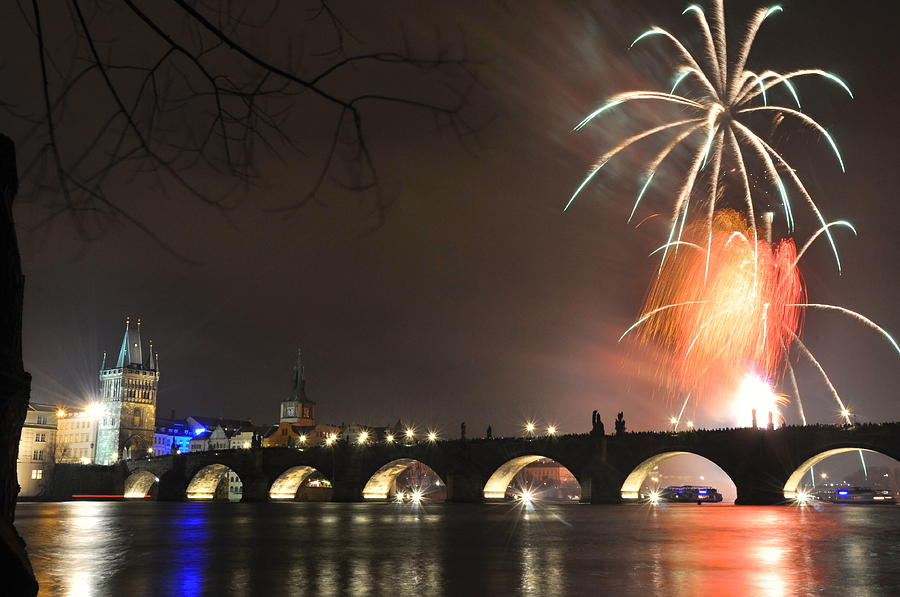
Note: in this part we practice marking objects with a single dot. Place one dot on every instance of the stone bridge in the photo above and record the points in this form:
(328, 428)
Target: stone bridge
(765, 466)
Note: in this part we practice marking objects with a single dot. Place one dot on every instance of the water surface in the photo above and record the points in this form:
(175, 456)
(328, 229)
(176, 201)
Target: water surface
(155, 548)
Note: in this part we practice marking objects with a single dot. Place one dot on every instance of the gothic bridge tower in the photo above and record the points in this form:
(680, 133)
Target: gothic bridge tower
(128, 400)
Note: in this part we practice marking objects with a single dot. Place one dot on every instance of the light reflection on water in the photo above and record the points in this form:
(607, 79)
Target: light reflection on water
(147, 548)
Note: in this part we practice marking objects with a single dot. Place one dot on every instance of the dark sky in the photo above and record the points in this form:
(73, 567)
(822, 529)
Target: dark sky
(477, 300)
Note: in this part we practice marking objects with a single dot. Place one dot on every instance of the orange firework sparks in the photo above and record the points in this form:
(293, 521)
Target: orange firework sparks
(723, 304)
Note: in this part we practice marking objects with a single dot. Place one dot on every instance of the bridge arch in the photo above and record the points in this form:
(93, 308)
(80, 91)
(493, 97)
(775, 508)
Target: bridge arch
(140, 484)
(631, 488)
(383, 481)
(792, 486)
(497, 484)
(208, 482)
(287, 484)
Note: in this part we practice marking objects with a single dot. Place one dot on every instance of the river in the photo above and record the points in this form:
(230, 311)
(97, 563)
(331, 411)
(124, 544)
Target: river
(285, 549)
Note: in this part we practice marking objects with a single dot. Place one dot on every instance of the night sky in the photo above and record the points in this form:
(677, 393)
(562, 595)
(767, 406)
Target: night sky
(477, 299)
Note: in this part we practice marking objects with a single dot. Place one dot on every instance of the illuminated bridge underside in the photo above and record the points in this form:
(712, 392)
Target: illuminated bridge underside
(381, 483)
(203, 485)
(632, 486)
(139, 484)
(286, 485)
(495, 488)
(793, 482)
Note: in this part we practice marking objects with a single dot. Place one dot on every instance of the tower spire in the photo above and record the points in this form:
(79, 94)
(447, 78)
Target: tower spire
(123, 352)
(151, 362)
(103, 361)
(130, 353)
(299, 391)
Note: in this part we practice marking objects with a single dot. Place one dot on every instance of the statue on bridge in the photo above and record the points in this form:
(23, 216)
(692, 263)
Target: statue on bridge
(462, 431)
(620, 424)
(489, 434)
(597, 424)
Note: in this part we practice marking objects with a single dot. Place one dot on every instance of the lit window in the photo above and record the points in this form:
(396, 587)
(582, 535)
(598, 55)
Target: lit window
(37, 455)
(37, 473)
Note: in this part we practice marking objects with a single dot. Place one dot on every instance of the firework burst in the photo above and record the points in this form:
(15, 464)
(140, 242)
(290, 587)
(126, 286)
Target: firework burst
(718, 96)
(724, 309)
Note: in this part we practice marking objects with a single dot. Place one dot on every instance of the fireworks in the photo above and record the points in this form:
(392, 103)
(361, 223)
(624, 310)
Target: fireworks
(729, 307)
(720, 96)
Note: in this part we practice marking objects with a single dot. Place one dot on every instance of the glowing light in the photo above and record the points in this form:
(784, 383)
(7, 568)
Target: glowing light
(410, 433)
(389, 438)
(246, 445)
(755, 396)
(530, 427)
(527, 496)
(60, 413)
(302, 439)
(330, 439)
(362, 438)
(551, 430)
(432, 436)
(416, 496)
(399, 497)
(93, 410)
(690, 424)
(673, 420)
(654, 497)
(823, 475)
(149, 450)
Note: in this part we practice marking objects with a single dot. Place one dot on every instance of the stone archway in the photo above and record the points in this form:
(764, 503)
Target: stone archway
(140, 484)
(212, 482)
(383, 481)
(498, 483)
(630, 490)
(792, 485)
(288, 483)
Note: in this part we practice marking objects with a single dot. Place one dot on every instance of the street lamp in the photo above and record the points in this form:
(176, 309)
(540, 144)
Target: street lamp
(410, 434)
(432, 436)
(530, 427)
(389, 438)
(690, 424)
(674, 423)
(362, 438)
(551, 430)
(302, 439)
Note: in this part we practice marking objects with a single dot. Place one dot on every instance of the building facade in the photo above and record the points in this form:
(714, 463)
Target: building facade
(172, 436)
(128, 400)
(34, 464)
(76, 438)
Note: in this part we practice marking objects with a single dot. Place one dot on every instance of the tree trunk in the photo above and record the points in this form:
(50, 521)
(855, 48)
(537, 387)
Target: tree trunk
(15, 383)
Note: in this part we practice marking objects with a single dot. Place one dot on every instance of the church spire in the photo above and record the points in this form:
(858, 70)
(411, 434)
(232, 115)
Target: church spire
(299, 391)
(130, 353)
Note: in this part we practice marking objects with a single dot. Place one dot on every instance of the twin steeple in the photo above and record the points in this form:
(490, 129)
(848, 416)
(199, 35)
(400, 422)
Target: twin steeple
(131, 352)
